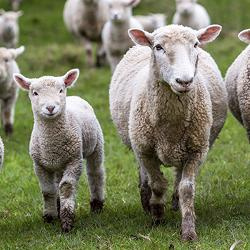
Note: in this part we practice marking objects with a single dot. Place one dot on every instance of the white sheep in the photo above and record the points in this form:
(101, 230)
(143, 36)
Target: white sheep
(115, 37)
(85, 20)
(152, 22)
(65, 132)
(1, 152)
(15, 4)
(8, 87)
(238, 82)
(190, 13)
(168, 102)
(9, 28)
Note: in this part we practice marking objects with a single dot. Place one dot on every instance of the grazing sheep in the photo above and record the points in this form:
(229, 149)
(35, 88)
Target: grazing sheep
(15, 4)
(85, 20)
(1, 152)
(65, 131)
(169, 103)
(115, 37)
(152, 22)
(191, 14)
(9, 28)
(8, 87)
(238, 82)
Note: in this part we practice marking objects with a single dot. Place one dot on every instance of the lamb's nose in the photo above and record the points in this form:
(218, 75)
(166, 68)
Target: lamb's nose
(50, 108)
(184, 82)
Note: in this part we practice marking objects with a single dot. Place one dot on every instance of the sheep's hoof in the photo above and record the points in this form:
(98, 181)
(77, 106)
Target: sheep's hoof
(96, 206)
(8, 128)
(157, 212)
(67, 220)
(175, 202)
(145, 197)
(48, 218)
(189, 235)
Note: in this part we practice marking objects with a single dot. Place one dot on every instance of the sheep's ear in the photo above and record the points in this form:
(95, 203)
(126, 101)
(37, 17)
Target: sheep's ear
(16, 52)
(244, 36)
(2, 11)
(70, 77)
(19, 13)
(141, 37)
(22, 81)
(208, 34)
(132, 3)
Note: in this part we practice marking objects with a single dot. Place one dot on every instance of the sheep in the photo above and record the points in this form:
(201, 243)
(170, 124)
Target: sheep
(152, 22)
(190, 13)
(15, 4)
(9, 28)
(85, 20)
(65, 132)
(237, 82)
(1, 152)
(168, 102)
(8, 88)
(115, 37)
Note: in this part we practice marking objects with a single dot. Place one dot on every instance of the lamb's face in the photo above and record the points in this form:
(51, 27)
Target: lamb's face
(185, 7)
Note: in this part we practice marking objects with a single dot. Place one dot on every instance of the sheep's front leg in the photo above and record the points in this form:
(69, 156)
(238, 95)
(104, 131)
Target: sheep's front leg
(157, 183)
(100, 56)
(48, 187)
(67, 192)
(88, 50)
(175, 197)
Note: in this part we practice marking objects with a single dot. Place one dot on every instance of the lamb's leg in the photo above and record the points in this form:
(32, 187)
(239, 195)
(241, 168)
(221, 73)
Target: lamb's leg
(100, 56)
(48, 187)
(89, 51)
(96, 178)
(67, 192)
(145, 190)
(175, 197)
(157, 183)
(58, 179)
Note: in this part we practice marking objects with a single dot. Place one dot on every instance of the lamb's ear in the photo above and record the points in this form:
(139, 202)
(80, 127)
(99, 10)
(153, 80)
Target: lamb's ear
(132, 3)
(70, 77)
(22, 81)
(16, 52)
(244, 36)
(2, 11)
(141, 37)
(208, 34)
(19, 13)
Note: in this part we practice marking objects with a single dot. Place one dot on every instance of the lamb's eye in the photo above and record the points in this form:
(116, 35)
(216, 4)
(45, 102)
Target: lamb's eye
(6, 60)
(158, 47)
(196, 44)
(61, 90)
(35, 93)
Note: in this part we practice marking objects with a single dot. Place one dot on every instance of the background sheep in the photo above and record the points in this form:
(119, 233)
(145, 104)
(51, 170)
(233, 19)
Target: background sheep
(191, 14)
(237, 82)
(15, 4)
(65, 131)
(8, 87)
(169, 103)
(9, 28)
(85, 20)
(152, 22)
(115, 37)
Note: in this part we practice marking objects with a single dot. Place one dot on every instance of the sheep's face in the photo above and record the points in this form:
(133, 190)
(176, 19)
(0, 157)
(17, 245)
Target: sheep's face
(7, 57)
(175, 53)
(185, 7)
(121, 10)
(48, 94)
(9, 23)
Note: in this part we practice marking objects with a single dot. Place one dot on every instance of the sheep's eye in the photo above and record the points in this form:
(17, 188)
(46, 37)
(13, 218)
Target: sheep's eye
(6, 60)
(196, 44)
(35, 93)
(61, 90)
(158, 47)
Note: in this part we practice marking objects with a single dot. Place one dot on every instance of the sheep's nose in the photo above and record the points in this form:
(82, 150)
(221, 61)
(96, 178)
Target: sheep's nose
(50, 108)
(184, 82)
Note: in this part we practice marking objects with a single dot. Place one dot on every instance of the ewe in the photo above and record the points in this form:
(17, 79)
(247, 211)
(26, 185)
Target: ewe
(85, 20)
(65, 131)
(238, 82)
(9, 28)
(191, 14)
(169, 103)
(115, 37)
(8, 87)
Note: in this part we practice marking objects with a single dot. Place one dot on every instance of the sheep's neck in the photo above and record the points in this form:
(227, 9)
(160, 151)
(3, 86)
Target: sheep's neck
(119, 30)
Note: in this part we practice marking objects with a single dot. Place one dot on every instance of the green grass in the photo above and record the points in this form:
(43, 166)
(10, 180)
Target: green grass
(223, 186)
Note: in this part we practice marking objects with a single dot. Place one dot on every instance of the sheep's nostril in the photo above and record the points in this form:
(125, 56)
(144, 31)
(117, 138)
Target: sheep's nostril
(50, 108)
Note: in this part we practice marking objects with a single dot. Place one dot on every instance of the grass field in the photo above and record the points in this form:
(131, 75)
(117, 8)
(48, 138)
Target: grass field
(223, 186)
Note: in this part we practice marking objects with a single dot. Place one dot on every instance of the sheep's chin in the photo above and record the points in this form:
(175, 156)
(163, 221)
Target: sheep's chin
(180, 92)
(48, 116)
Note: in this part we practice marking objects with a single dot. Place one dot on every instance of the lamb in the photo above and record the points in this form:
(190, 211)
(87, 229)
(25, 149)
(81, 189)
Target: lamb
(8, 87)
(9, 28)
(15, 4)
(190, 13)
(65, 132)
(168, 102)
(115, 37)
(237, 83)
(152, 22)
(85, 20)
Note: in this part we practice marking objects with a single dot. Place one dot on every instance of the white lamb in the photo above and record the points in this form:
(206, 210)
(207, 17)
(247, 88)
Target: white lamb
(152, 22)
(190, 13)
(65, 132)
(9, 28)
(85, 20)
(238, 84)
(8, 87)
(169, 103)
(115, 37)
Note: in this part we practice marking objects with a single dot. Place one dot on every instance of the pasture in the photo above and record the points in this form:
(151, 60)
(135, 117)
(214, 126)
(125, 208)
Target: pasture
(222, 201)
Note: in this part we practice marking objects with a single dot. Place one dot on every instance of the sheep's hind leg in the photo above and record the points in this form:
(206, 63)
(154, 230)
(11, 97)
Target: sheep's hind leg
(96, 179)
(100, 56)
(145, 190)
